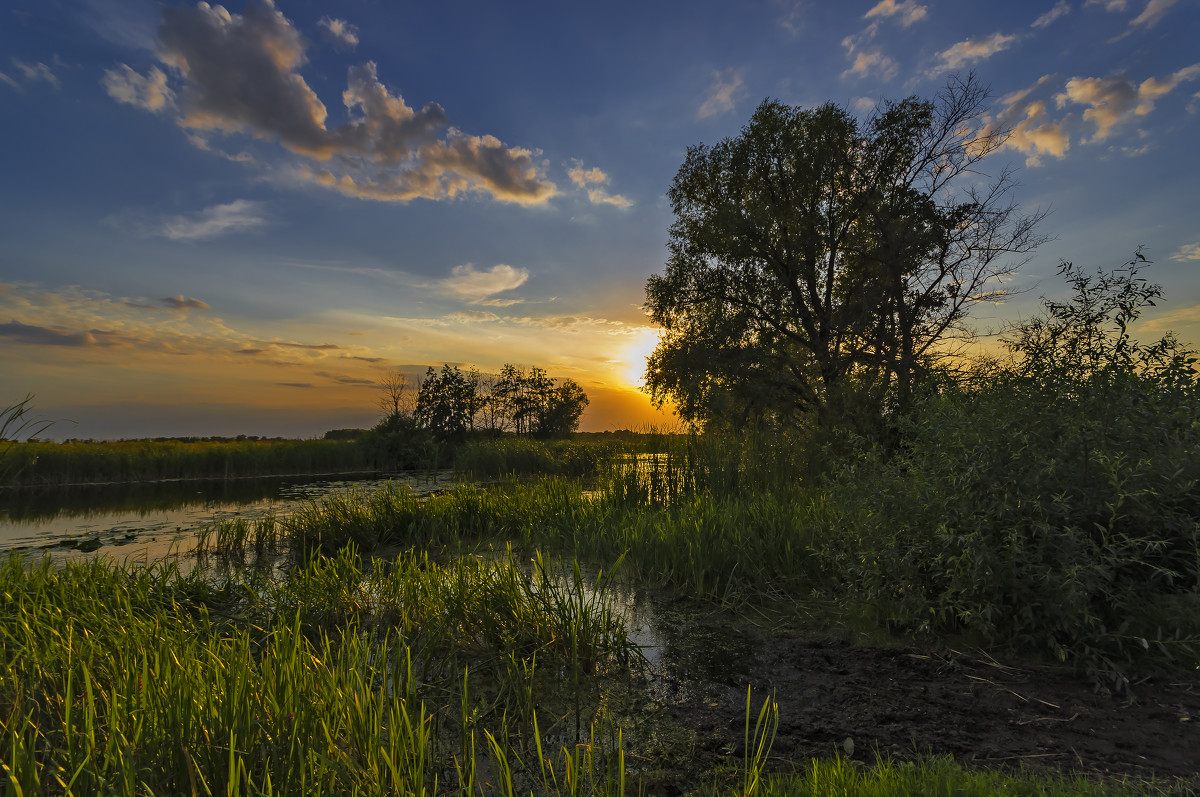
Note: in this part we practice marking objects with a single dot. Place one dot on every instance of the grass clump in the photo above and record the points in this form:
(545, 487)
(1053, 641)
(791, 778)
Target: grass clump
(412, 679)
(841, 777)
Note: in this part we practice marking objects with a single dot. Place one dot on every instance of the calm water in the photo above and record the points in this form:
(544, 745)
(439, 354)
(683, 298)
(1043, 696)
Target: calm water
(155, 520)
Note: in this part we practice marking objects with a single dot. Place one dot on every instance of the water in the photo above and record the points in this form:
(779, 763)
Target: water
(151, 521)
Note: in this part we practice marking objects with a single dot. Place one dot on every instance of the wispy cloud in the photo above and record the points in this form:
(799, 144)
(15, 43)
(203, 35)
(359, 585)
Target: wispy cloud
(1109, 102)
(723, 93)
(906, 12)
(339, 31)
(970, 51)
(35, 335)
(241, 215)
(864, 63)
(184, 304)
(1061, 9)
(1114, 99)
(476, 286)
(240, 73)
(1151, 14)
(1188, 252)
(149, 92)
(27, 74)
(593, 180)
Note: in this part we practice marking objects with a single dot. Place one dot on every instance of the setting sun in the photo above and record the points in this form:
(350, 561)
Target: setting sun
(631, 364)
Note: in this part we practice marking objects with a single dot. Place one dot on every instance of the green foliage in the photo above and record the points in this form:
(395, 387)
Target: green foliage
(451, 404)
(15, 423)
(841, 777)
(1050, 503)
(333, 680)
(815, 250)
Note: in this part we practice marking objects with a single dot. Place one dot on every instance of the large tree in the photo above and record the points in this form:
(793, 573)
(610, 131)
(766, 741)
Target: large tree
(816, 251)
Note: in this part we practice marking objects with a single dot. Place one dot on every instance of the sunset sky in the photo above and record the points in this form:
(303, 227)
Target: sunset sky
(220, 220)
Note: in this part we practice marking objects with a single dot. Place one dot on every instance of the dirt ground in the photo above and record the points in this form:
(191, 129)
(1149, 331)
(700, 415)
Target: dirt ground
(909, 702)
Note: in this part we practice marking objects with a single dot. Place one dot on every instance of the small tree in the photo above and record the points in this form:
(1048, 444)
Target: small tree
(445, 402)
(396, 397)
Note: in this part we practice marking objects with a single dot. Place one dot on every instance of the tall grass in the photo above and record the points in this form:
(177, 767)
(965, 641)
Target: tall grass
(408, 679)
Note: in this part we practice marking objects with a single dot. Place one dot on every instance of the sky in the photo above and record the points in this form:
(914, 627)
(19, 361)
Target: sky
(238, 219)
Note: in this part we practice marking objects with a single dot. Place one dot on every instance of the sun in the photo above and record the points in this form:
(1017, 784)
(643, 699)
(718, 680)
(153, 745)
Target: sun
(630, 363)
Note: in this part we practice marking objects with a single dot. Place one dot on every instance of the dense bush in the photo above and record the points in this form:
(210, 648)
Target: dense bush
(1049, 502)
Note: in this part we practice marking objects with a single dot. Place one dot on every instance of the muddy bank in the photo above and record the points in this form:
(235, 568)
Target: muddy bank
(908, 702)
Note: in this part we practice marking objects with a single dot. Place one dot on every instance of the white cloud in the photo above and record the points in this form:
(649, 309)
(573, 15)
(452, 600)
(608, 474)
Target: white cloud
(1109, 5)
(1188, 252)
(592, 180)
(149, 92)
(864, 105)
(27, 74)
(1061, 9)
(1114, 99)
(971, 50)
(339, 31)
(722, 93)
(240, 215)
(472, 317)
(867, 61)
(1151, 14)
(908, 11)
(477, 286)
(240, 73)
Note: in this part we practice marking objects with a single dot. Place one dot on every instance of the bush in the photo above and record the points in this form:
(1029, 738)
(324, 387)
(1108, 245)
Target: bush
(1051, 501)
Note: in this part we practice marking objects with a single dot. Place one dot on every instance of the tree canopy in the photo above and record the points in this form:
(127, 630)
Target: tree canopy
(528, 402)
(816, 254)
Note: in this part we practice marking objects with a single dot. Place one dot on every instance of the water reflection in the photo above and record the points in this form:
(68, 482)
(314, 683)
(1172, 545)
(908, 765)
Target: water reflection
(79, 520)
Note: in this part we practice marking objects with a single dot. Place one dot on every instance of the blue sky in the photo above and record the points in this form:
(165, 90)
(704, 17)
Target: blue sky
(237, 219)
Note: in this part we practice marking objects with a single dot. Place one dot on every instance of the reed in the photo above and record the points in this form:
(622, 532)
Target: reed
(74, 463)
(400, 679)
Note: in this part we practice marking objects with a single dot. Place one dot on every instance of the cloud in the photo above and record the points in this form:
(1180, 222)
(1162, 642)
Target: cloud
(908, 11)
(295, 384)
(30, 73)
(1188, 252)
(180, 303)
(240, 74)
(237, 216)
(1151, 14)
(339, 31)
(1061, 9)
(592, 179)
(346, 380)
(864, 105)
(42, 336)
(792, 19)
(472, 317)
(721, 98)
(149, 92)
(1114, 99)
(867, 61)
(1109, 5)
(475, 286)
(971, 50)
(1025, 113)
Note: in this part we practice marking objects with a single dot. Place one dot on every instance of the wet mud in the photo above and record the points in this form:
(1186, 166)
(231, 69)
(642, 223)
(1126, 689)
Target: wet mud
(905, 702)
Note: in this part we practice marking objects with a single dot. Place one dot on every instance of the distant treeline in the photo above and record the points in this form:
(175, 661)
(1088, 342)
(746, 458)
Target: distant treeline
(48, 464)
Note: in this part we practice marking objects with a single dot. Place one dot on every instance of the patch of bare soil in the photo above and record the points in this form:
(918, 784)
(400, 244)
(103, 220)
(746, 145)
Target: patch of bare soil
(905, 703)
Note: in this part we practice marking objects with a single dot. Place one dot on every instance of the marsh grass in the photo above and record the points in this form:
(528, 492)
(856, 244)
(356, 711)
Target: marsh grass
(843, 777)
(43, 464)
(412, 677)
